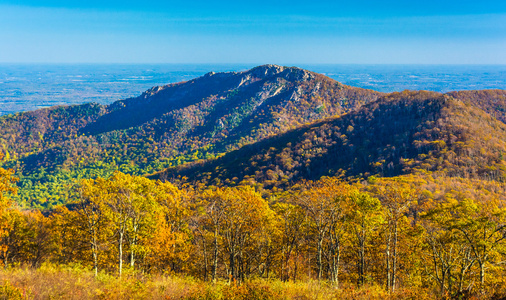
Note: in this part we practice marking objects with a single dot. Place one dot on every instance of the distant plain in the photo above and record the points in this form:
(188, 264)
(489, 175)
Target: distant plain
(26, 87)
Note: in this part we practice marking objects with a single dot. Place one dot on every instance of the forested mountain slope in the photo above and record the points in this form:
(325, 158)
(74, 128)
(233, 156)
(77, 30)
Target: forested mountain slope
(491, 101)
(166, 126)
(397, 134)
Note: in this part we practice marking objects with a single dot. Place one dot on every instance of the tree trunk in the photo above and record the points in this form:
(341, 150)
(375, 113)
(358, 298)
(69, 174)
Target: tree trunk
(335, 261)
(394, 262)
(387, 255)
(361, 269)
(442, 283)
(268, 263)
(232, 267)
(240, 267)
(450, 281)
(215, 255)
(133, 244)
(132, 258)
(120, 253)
(482, 276)
(94, 248)
(362, 265)
(319, 257)
(286, 271)
(206, 259)
(461, 280)
(296, 267)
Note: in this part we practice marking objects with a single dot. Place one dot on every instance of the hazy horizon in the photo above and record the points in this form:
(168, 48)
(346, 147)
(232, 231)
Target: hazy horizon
(31, 86)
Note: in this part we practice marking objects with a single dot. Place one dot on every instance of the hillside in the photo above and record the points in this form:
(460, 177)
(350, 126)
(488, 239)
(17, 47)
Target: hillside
(399, 133)
(166, 126)
(491, 101)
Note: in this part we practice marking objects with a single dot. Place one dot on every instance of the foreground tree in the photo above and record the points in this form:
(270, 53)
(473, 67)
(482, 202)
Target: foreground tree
(236, 219)
(397, 196)
(326, 203)
(92, 214)
(132, 205)
(292, 229)
(483, 225)
(364, 218)
(214, 203)
(172, 243)
(7, 181)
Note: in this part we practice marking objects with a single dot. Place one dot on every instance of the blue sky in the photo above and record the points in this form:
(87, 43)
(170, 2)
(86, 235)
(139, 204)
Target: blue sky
(282, 32)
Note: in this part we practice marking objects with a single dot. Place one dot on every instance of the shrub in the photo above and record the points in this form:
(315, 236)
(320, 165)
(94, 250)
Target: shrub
(10, 292)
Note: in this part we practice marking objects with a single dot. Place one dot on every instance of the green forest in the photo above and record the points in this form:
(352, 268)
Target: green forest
(273, 183)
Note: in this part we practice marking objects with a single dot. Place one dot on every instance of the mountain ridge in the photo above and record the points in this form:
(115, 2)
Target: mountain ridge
(398, 134)
(169, 125)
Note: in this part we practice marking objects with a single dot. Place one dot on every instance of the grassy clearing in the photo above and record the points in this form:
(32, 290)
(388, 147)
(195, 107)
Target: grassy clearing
(75, 282)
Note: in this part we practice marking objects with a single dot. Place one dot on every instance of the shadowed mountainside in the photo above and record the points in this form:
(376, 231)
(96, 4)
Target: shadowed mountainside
(397, 134)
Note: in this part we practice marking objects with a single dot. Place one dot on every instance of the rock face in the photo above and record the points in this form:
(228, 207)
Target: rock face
(264, 82)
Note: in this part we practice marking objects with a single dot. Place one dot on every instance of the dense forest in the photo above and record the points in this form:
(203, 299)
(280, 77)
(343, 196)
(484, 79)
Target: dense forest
(402, 133)
(273, 183)
(406, 236)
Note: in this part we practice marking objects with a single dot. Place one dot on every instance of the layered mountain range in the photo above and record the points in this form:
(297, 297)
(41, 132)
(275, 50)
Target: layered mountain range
(401, 133)
(273, 125)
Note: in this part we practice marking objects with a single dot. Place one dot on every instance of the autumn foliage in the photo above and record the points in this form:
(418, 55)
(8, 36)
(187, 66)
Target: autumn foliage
(437, 236)
(298, 188)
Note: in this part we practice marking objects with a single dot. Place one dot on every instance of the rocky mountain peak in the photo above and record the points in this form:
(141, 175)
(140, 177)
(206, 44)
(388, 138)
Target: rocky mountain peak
(289, 73)
(266, 70)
